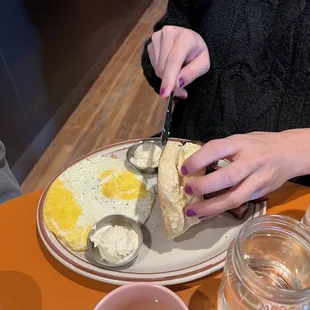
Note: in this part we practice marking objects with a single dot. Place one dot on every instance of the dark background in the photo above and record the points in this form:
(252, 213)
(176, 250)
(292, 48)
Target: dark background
(51, 52)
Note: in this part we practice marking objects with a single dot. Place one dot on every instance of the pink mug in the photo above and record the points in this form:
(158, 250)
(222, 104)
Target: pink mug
(141, 296)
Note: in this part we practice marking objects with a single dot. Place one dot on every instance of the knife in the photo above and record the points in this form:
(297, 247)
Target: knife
(166, 129)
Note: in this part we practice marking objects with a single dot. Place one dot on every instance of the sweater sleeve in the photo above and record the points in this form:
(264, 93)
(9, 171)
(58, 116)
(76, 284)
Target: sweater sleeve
(179, 13)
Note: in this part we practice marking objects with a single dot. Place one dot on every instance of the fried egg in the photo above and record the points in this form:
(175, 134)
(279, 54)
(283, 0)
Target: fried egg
(91, 189)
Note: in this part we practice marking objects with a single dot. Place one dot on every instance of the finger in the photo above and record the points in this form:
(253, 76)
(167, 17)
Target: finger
(208, 154)
(221, 179)
(194, 69)
(167, 39)
(173, 66)
(180, 93)
(233, 198)
(150, 50)
(156, 46)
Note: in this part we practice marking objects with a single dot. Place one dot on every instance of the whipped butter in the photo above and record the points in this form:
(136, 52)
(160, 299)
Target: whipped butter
(147, 155)
(115, 243)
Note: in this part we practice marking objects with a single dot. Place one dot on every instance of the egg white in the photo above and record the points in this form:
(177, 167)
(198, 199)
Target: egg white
(84, 181)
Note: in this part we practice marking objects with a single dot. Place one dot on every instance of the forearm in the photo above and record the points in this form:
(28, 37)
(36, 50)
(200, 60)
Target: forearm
(298, 150)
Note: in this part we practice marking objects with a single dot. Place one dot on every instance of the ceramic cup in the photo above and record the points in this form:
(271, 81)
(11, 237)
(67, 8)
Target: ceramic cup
(141, 296)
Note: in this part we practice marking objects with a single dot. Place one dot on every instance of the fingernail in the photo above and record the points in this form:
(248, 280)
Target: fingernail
(181, 82)
(184, 170)
(188, 190)
(190, 212)
(162, 91)
(183, 97)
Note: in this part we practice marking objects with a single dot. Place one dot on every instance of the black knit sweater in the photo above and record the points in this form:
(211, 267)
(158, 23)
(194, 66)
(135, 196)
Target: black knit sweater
(260, 67)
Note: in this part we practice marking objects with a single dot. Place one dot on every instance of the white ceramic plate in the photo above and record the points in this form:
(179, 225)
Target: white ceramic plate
(197, 253)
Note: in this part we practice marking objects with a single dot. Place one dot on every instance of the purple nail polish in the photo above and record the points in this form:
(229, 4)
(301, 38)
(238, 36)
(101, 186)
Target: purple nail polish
(162, 91)
(181, 82)
(190, 213)
(184, 170)
(188, 190)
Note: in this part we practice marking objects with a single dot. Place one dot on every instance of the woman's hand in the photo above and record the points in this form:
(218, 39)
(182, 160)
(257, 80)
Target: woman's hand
(178, 56)
(260, 163)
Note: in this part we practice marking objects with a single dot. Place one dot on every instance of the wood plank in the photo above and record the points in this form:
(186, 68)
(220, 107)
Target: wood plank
(119, 106)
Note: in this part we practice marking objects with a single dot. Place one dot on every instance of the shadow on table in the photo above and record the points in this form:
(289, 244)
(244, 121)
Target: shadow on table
(288, 193)
(200, 294)
(19, 291)
(75, 277)
(206, 297)
(295, 214)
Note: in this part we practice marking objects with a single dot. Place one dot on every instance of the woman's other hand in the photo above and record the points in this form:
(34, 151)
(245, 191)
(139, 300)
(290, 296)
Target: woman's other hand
(178, 56)
(260, 163)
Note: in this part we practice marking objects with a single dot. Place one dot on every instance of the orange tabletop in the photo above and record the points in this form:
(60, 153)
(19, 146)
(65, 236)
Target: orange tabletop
(30, 278)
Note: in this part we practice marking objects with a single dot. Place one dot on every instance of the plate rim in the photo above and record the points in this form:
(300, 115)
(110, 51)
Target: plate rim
(123, 277)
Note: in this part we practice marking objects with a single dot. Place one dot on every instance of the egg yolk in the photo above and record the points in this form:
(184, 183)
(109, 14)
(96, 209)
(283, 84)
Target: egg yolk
(78, 236)
(124, 186)
(106, 173)
(60, 207)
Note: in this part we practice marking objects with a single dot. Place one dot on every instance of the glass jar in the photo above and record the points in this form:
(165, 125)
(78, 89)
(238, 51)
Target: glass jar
(267, 267)
(306, 219)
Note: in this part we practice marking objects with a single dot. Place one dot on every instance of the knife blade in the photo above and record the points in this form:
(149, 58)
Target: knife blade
(166, 129)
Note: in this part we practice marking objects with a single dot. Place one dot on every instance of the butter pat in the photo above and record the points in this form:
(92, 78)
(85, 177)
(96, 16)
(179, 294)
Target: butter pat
(115, 243)
(147, 155)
